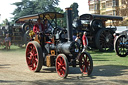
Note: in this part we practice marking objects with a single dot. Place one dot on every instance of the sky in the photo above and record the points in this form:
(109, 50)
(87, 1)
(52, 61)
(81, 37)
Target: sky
(6, 8)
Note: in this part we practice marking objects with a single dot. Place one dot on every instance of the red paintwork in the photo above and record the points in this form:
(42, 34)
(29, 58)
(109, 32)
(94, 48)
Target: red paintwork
(61, 66)
(48, 42)
(31, 57)
(85, 63)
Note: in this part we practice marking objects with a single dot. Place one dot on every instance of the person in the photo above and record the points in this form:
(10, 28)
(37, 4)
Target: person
(85, 41)
(47, 26)
(74, 37)
(7, 41)
(39, 27)
(78, 39)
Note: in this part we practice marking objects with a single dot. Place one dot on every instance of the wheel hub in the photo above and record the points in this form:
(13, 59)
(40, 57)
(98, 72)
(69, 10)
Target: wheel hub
(107, 39)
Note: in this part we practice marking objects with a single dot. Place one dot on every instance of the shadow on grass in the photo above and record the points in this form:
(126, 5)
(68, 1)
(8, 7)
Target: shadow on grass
(72, 70)
(103, 70)
(109, 70)
(99, 72)
(4, 65)
(48, 70)
(82, 81)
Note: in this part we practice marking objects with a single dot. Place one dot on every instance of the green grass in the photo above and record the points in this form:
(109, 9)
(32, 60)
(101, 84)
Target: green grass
(13, 48)
(108, 58)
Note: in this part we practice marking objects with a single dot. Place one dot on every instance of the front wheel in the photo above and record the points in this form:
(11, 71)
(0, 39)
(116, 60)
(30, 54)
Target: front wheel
(62, 66)
(121, 46)
(85, 63)
(34, 56)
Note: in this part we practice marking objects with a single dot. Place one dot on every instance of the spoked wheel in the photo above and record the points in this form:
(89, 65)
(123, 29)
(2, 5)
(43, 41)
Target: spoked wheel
(26, 26)
(62, 66)
(104, 40)
(121, 46)
(34, 57)
(85, 63)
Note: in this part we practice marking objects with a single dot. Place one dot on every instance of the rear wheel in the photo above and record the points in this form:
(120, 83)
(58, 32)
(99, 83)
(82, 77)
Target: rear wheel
(121, 46)
(62, 66)
(104, 40)
(85, 63)
(34, 57)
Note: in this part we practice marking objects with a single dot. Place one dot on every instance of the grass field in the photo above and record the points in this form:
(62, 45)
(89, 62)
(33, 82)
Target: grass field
(108, 58)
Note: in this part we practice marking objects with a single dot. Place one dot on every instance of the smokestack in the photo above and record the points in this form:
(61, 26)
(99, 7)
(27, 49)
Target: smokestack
(69, 23)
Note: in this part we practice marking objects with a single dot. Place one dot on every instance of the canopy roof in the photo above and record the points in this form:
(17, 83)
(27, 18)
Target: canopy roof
(102, 17)
(45, 15)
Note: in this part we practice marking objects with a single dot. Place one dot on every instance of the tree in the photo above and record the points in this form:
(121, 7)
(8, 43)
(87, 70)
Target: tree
(27, 7)
(75, 11)
(5, 22)
(23, 8)
(46, 5)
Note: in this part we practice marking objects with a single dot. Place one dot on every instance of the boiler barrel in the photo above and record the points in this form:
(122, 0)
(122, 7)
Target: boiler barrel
(68, 48)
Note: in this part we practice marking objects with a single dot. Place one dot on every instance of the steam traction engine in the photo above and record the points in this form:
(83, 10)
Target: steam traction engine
(55, 49)
(99, 35)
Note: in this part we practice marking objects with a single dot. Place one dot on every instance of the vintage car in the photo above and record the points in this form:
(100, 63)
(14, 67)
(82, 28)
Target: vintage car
(56, 47)
(99, 35)
(121, 43)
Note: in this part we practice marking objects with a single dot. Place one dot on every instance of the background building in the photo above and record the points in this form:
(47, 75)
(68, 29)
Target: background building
(110, 7)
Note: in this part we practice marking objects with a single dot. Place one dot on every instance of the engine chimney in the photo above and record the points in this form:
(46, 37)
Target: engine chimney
(69, 23)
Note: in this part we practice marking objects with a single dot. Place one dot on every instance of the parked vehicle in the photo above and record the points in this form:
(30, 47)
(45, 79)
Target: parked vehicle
(99, 36)
(121, 44)
(20, 33)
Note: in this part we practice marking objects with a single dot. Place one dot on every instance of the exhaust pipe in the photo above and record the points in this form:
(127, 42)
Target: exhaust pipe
(69, 23)
(69, 47)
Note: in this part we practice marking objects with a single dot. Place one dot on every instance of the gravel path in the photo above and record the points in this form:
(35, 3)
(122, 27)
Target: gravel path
(14, 71)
